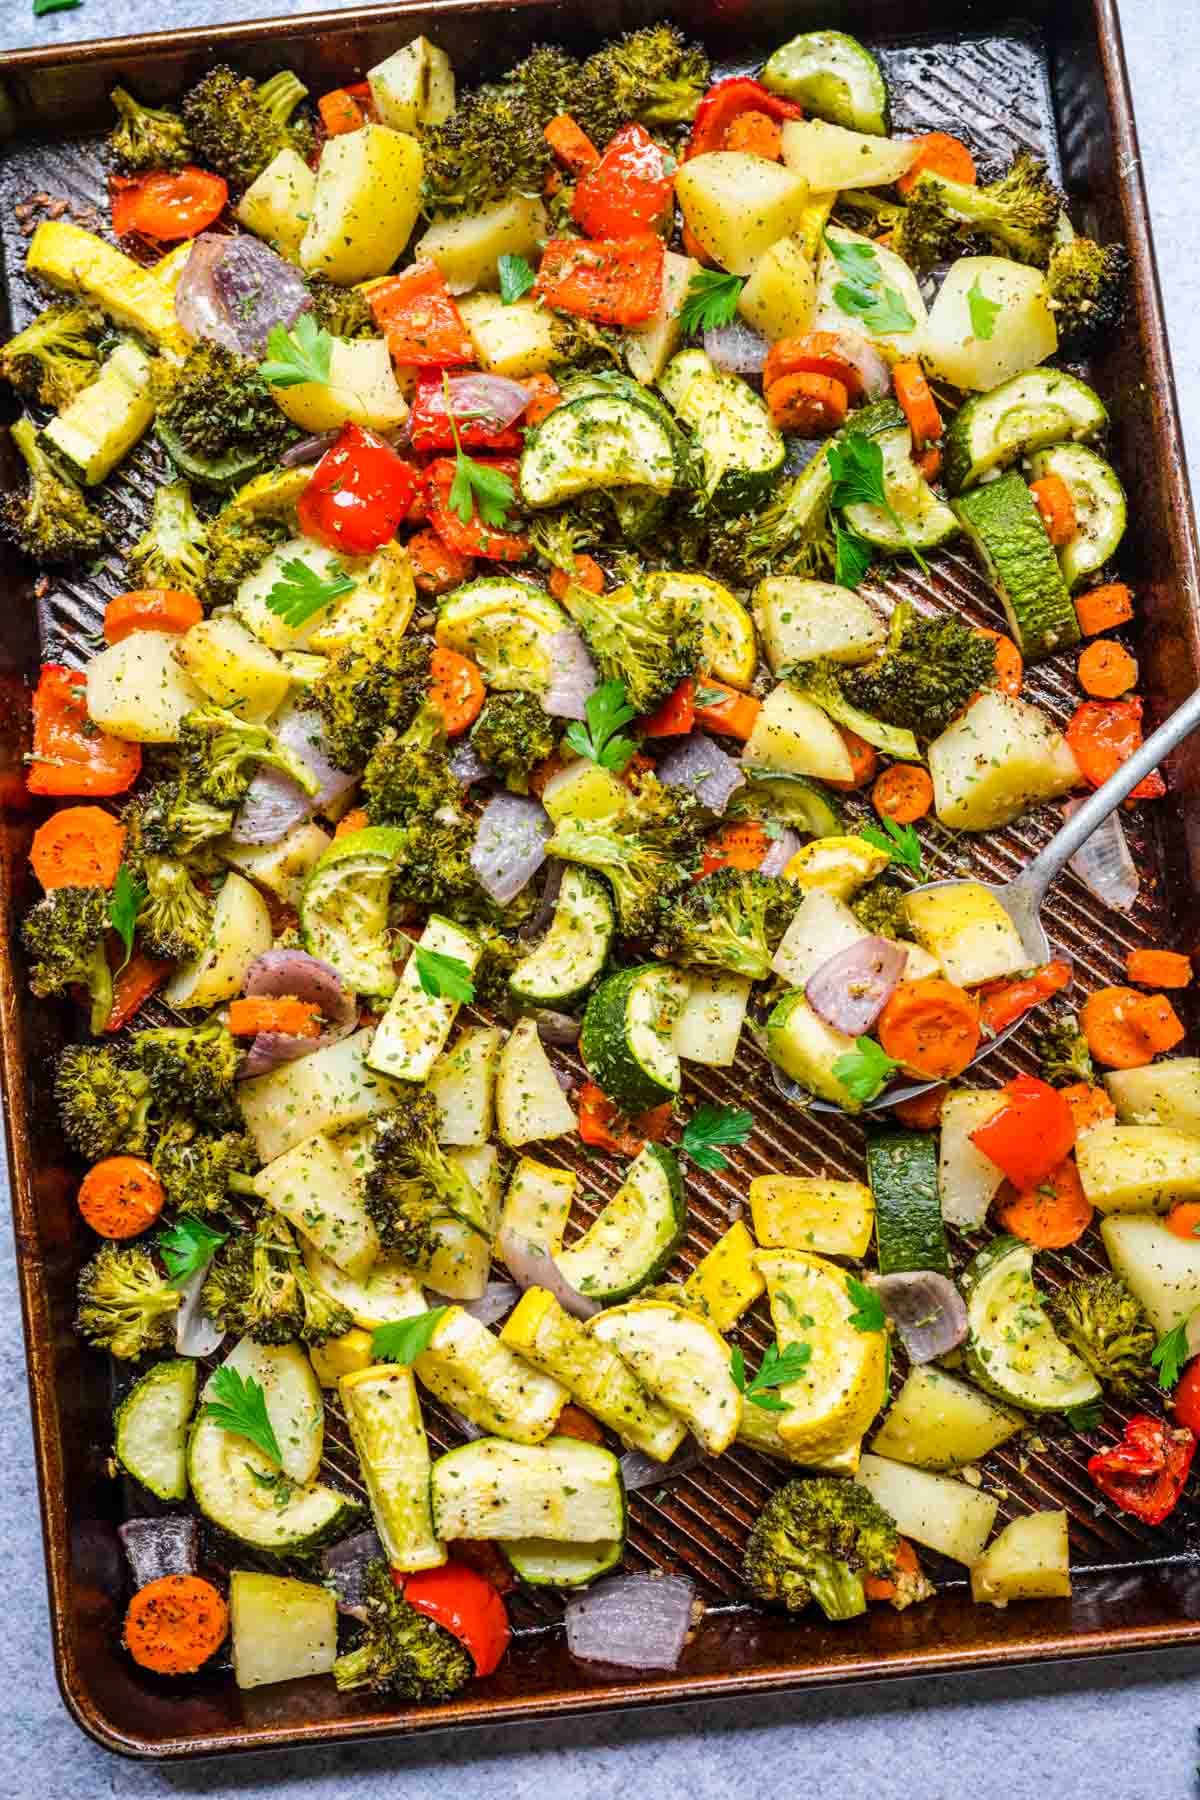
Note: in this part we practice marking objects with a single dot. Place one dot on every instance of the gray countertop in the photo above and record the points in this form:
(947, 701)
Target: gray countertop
(1124, 1729)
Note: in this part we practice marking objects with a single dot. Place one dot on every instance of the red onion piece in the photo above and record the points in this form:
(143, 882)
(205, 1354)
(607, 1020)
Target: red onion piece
(296, 975)
(510, 845)
(532, 1266)
(557, 1028)
(460, 1421)
(258, 291)
(467, 764)
(344, 1567)
(575, 677)
(851, 989)
(1104, 864)
(866, 359)
(782, 850)
(927, 1310)
(736, 348)
(274, 803)
(158, 1547)
(308, 450)
(196, 1334)
(197, 306)
(632, 1621)
(498, 1298)
(490, 401)
(695, 762)
(641, 1471)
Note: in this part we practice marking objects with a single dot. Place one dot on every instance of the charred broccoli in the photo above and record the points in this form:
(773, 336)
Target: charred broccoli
(732, 919)
(238, 544)
(880, 909)
(791, 535)
(492, 145)
(500, 957)
(647, 638)
(654, 75)
(408, 776)
(217, 417)
(238, 128)
(1018, 214)
(646, 854)
(172, 552)
(924, 677)
(57, 355)
(168, 820)
(341, 311)
(1085, 290)
(219, 753)
(125, 1306)
(64, 938)
(402, 1651)
(173, 920)
(1062, 1051)
(1105, 1325)
(199, 1172)
(103, 1100)
(193, 1067)
(412, 1182)
(257, 1285)
(513, 734)
(433, 866)
(830, 685)
(51, 520)
(373, 688)
(815, 1540)
(146, 137)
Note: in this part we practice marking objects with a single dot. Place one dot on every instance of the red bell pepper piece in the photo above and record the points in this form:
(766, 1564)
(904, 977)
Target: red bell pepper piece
(1030, 1134)
(604, 1125)
(472, 537)
(1105, 733)
(1185, 1401)
(431, 429)
(71, 755)
(133, 985)
(1144, 1475)
(675, 716)
(466, 1604)
(630, 190)
(359, 492)
(610, 281)
(416, 313)
(1004, 1001)
(725, 709)
(722, 104)
(166, 206)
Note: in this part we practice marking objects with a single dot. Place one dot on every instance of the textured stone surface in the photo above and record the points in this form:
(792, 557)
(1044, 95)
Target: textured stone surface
(1119, 1730)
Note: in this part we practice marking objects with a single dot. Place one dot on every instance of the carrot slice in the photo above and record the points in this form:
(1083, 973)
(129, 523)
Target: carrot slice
(1010, 670)
(725, 709)
(929, 462)
(924, 1111)
(457, 687)
(904, 793)
(1089, 1106)
(943, 154)
(918, 404)
(931, 1027)
(754, 134)
(270, 1012)
(573, 1422)
(340, 112)
(741, 845)
(174, 1624)
(588, 574)
(120, 1197)
(544, 395)
(814, 353)
(151, 609)
(79, 846)
(1106, 670)
(882, 1587)
(863, 761)
(1057, 508)
(1127, 1030)
(436, 568)
(810, 405)
(133, 986)
(1051, 1215)
(1158, 968)
(1104, 608)
(571, 144)
(355, 820)
(1184, 1220)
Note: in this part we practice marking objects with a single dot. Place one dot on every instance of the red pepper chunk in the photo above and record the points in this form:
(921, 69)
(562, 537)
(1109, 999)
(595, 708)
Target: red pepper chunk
(628, 192)
(358, 494)
(1145, 1473)
(164, 206)
(606, 1127)
(722, 104)
(70, 754)
(431, 428)
(1003, 1001)
(416, 313)
(609, 281)
(472, 537)
(674, 716)
(1105, 733)
(1029, 1136)
(465, 1604)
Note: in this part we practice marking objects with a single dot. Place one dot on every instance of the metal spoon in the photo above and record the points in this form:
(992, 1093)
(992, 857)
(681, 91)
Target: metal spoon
(1022, 899)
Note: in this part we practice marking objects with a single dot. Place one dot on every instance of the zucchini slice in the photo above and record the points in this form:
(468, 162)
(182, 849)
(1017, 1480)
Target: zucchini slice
(634, 1238)
(574, 949)
(834, 77)
(602, 440)
(627, 1035)
(151, 1422)
(384, 1416)
(544, 1562)
(240, 1490)
(742, 451)
(1024, 414)
(224, 471)
(1005, 529)
(788, 800)
(1100, 508)
(416, 1026)
(924, 521)
(292, 1395)
(806, 1048)
(506, 626)
(564, 1489)
(344, 909)
(683, 1360)
(902, 1172)
(1012, 1350)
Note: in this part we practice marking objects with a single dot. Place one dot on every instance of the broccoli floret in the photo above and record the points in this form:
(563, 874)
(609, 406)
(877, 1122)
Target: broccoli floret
(433, 867)
(815, 1540)
(501, 955)
(125, 1305)
(57, 355)
(375, 687)
(402, 1651)
(880, 909)
(828, 684)
(791, 535)
(580, 346)
(1110, 1329)
(1017, 214)
(341, 311)
(1062, 1051)
(238, 544)
(51, 521)
(513, 734)
(173, 920)
(646, 854)
(646, 640)
(549, 80)
(193, 1067)
(238, 128)
(408, 776)
(861, 210)
(1085, 290)
(252, 1284)
(732, 919)
(927, 673)
(168, 820)
(64, 937)
(219, 753)
(173, 552)
(491, 146)
(412, 1182)
(220, 413)
(103, 1100)
(654, 75)
(199, 1172)
(146, 137)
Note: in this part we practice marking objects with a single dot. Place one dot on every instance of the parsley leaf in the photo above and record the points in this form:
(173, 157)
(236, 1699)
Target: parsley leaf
(864, 1070)
(240, 1405)
(864, 293)
(442, 975)
(404, 1340)
(476, 490)
(854, 557)
(899, 841)
(1170, 1353)
(123, 908)
(868, 1314)
(856, 464)
(711, 300)
(712, 1125)
(516, 278)
(299, 355)
(188, 1247)
(1085, 1416)
(776, 1371)
(983, 312)
(607, 710)
(303, 591)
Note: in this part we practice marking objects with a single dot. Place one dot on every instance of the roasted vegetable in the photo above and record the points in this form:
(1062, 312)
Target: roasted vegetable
(814, 1541)
(64, 939)
(56, 355)
(374, 688)
(237, 128)
(1085, 290)
(732, 919)
(1110, 1329)
(173, 550)
(412, 1182)
(125, 1305)
(928, 672)
(513, 734)
(1018, 215)
(146, 137)
(402, 1651)
(51, 521)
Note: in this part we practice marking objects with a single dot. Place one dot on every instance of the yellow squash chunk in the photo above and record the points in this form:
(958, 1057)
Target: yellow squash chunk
(808, 1213)
(842, 1387)
(682, 1359)
(75, 261)
(969, 931)
(837, 865)
(727, 1281)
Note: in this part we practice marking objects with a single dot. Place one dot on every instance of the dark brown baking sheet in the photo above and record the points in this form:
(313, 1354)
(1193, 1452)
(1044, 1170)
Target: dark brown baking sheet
(1055, 79)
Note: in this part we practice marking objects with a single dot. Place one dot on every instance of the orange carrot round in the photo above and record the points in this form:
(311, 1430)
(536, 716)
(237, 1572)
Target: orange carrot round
(1158, 968)
(175, 1624)
(903, 793)
(269, 1012)
(810, 405)
(151, 609)
(120, 1197)
(79, 846)
(943, 154)
(740, 845)
(1054, 503)
(813, 353)
(436, 568)
(1127, 1030)
(918, 404)
(863, 761)
(1010, 669)
(1105, 670)
(457, 688)
(931, 1027)
(883, 1587)
(1090, 1106)
(1051, 1215)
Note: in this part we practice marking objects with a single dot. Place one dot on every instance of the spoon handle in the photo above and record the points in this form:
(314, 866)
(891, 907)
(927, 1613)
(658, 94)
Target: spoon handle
(1096, 808)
